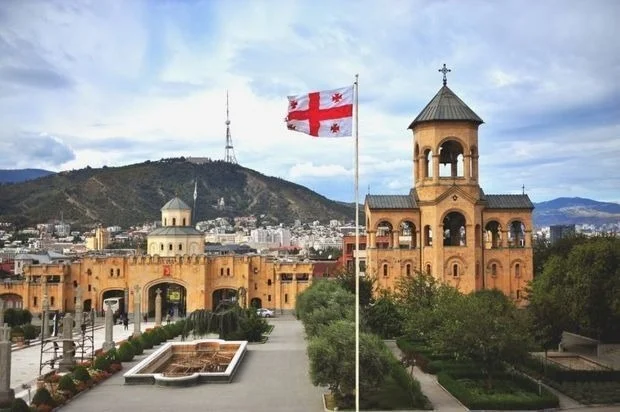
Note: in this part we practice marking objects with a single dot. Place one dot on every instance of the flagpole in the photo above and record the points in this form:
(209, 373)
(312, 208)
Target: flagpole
(357, 251)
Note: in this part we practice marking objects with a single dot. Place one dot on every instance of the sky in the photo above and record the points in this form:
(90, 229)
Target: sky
(94, 83)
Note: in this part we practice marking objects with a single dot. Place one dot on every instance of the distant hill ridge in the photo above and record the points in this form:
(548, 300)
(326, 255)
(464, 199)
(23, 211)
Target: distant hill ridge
(22, 175)
(134, 194)
(575, 210)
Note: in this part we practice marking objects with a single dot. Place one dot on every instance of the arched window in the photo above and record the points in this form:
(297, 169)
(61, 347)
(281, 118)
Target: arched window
(268, 282)
(408, 269)
(52, 300)
(494, 270)
(183, 221)
(516, 236)
(455, 270)
(227, 271)
(180, 246)
(428, 236)
(407, 238)
(451, 159)
(161, 246)
(118, 272)
(221, 271)
(111, 272)
(385, 269)
(170, 246)
(428, 269)
(165, 222)
(517, 270)
(428, 163)
(454, 232)
(493, 235)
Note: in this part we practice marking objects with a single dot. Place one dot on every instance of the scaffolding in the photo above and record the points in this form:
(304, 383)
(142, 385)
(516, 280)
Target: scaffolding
(83, 344)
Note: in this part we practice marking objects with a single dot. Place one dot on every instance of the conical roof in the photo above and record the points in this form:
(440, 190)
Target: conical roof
(176, 204)
(446, 106)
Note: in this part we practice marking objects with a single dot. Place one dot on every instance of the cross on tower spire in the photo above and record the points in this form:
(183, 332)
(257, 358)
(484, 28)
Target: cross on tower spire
(444, 70)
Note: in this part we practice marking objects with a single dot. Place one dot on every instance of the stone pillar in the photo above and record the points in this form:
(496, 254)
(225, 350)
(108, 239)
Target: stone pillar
(126, 303)
(68, 346)
(1, 313)
(109, 329)
(45, 324)
(436, 168)
(79, 314)
(6, 393)
(158, 307)
(396, 239)
(137, 316)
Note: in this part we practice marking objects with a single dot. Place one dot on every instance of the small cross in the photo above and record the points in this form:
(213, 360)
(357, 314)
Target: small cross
(523, 188)
(158, 291)
(444, 70)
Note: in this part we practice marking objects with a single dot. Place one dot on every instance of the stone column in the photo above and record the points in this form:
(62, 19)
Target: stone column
(137, 316)
(158, 307)
(396, 239)
(109, 329)
(1, 313)
(45, 324)
(6, 393)
(68, 346)
(78, 309)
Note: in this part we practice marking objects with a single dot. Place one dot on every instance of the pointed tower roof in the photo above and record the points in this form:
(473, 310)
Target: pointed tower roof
(446, 106)
(176, 204)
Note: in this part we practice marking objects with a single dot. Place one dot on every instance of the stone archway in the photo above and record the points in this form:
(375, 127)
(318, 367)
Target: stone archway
(12, 300)
(256, 303)
(173, 299)
(224, 295)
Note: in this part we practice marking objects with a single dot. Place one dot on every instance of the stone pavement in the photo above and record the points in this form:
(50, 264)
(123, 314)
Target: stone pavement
(273, 377)
(25, 361)
(439, 397)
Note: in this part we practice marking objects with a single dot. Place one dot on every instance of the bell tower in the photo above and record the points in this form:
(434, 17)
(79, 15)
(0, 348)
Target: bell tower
(445, 141)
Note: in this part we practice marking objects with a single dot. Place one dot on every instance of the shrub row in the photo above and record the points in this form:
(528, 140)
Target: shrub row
(478, 401)
(536, 366)
(17, 317)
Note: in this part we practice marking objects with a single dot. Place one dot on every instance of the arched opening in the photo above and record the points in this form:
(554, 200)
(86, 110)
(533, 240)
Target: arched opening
(384, 236)
(224, 296)
(455, 270)
(12, 300)
(118, 306)
(451, 159)
(385, 270)
(428, 269)
(492, 235)
(516, 236)
(174, 221)
(517, 270)
(454, 231)
(184, 222)
(407, 238)
(428, 236)
(408, 269)
(88, 305)
(256, 303)
(428, 163)
(173, 299)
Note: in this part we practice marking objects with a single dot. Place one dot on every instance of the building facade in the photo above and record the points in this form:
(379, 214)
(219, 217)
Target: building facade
(446, 225)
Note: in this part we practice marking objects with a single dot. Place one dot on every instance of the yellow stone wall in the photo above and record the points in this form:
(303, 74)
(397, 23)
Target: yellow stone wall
(275, 283)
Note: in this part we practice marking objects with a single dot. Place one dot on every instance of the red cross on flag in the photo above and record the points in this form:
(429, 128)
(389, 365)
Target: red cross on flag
(323, 114)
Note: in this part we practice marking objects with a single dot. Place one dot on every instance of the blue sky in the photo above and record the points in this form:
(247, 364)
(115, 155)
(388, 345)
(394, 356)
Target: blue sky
(119, 82)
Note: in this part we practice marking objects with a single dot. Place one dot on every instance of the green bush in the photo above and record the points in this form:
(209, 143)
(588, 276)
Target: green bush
(126, 352)
(19, 405)
(17, 331)
(81, 374)
(102, 363)
(30, 331)
(112, 355)
(145, 340)
(66, 383)
(137, 346)
(43, 397)
(17, 317)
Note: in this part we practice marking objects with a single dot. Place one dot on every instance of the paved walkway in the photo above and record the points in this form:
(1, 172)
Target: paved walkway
(273, 377)
(439, 397)
(25, 361)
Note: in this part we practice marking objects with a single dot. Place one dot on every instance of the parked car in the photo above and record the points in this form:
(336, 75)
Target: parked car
(264, 313)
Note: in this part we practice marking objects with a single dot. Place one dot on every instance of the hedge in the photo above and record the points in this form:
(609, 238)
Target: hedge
(558, 374)
(498, 402)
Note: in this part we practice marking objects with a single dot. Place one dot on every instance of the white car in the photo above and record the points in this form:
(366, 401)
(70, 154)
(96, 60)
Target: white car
(264, 313)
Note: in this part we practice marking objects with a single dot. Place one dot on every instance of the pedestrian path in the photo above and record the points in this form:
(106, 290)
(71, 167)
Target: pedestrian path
(25, 362)
(439, 397)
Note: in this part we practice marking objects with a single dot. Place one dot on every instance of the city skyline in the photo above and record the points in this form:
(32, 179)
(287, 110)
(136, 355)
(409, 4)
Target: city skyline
(124, 82)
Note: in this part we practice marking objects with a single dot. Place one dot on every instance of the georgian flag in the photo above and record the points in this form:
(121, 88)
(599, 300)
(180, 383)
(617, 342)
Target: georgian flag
(327, 113)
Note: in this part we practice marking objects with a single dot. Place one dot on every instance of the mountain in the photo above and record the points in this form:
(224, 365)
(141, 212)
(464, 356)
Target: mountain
(134, 194)
(577, 210)
(22, 175)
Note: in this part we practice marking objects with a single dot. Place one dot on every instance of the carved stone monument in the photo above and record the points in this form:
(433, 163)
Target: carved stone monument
(137, 317)
(109, 328)
(6, 393)
(68, 346)
(45, 322)
(79, 314)
(158, 307)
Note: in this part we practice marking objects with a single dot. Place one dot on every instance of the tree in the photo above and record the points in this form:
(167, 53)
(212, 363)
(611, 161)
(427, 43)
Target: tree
(332, 361)
(485, 327)
(383, 317)
(346, 279)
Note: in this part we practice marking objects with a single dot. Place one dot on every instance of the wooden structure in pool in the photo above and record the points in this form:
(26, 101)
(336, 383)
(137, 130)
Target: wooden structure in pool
(189, 363)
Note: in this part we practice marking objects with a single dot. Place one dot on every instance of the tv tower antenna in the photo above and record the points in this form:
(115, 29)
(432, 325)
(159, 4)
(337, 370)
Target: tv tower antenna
(230, 151)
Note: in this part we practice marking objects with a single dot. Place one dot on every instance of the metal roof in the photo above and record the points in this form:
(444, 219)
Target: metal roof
(508, 202)
(175, 231)
(176, 204)
(446, 106)
(391, 202)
